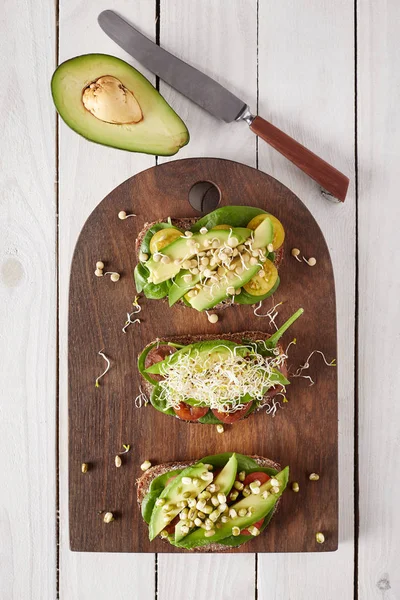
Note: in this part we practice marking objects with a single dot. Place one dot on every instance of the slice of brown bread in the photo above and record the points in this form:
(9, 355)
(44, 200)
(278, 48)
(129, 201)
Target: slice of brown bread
(143, 484)
(185, 224)
(254, 336)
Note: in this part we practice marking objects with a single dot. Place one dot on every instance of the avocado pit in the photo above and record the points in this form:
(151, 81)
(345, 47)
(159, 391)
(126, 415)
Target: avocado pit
(110, 101)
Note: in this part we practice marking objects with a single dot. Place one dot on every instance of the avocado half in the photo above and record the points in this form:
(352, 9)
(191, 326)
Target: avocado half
(107, 101)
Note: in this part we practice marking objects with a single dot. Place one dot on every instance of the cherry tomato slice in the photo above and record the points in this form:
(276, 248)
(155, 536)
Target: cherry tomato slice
(170, 528)
(258, 525)
(232, 417)
(163, 238)
(262, 477)
(157, 355)
(190, 413)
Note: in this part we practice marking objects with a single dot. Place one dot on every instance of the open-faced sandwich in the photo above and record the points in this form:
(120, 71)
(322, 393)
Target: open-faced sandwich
(213, 379)
(229, 256)
(213, 504)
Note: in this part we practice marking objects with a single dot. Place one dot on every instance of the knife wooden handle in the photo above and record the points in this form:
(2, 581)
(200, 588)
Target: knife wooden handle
(332, 180)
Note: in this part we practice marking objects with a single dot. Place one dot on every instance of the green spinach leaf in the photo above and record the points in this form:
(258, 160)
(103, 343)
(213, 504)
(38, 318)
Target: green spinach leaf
(209, 419)
(159, 403)
(237, 216)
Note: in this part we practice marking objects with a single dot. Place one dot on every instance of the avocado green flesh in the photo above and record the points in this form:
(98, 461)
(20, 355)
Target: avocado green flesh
(173, 494)
(261, 508)
(205, 349)
(263, 234)
(224, 480)
(209, 297)
(158, 484)
(181, 249)
(161, 131)
(179, 287)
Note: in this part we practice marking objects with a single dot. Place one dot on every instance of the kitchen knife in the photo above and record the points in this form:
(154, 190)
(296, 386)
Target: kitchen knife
(219, 101)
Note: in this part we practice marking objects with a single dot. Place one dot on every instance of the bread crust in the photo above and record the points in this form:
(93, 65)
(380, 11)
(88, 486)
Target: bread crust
(187, 223)
(143, 484)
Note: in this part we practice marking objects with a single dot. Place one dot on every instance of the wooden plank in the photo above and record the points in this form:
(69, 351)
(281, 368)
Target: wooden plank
(27, 288)
(223, 44)
(306, 87)
(87, 173)
(105, 420)
(28, 303)
(379, 285)
(203, 577)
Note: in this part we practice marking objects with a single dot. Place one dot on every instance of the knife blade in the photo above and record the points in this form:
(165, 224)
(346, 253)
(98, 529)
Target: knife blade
(220, 102)
(190, 82)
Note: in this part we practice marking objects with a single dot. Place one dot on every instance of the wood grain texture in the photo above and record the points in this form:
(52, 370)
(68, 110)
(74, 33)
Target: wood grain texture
(379, 287)
(28, 306)
(222, 43)
(306, 88)
(87, 173)
(202, 577)
(102, 419)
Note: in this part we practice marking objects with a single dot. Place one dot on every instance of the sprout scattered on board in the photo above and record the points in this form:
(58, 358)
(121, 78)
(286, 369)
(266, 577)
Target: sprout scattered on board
(97, 384)
(114, 276)
(118, 459)
(141, 399)
(129, 316)
(271, 314)
(306, 365)
(122, 215)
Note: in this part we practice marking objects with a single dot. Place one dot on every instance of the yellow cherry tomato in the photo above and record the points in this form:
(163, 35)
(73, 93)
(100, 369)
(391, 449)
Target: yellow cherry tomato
(163, 238)
(262, 284)
(279, 232)
(222, 227)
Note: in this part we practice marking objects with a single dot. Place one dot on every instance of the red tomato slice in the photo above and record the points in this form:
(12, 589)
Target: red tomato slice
(262, 477)
(190, 413)
(258, 525)
(170, 528)
(157, 355)
(232, 417)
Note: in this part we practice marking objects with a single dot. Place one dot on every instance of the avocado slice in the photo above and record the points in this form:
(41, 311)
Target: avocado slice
(184, 248)
(130, 113)
(261, 507)
(173, 494)
(207, 348)
(209, 297)
(179, 286)
(263, 234)
(224, 480)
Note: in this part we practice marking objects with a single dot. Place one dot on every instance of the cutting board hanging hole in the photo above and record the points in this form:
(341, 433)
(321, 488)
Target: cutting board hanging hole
(204, 196)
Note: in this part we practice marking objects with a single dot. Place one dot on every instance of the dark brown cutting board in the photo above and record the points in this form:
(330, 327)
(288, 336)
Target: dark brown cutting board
(303, 433)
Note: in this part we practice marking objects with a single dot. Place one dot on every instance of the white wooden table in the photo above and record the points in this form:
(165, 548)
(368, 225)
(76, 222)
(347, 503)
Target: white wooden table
(327, 73)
